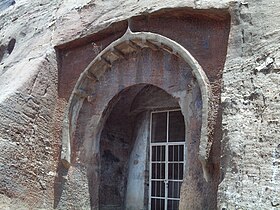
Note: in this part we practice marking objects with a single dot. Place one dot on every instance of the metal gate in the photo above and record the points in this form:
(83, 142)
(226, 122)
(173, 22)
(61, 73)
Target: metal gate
(167, 159)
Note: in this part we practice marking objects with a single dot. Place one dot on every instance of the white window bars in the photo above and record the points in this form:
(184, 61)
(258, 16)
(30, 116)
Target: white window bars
(167, 159)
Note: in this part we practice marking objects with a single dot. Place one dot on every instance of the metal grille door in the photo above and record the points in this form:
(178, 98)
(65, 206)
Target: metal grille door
(167, 159)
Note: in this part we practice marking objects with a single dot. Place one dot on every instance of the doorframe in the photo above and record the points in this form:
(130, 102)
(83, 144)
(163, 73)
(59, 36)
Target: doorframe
(166, 155)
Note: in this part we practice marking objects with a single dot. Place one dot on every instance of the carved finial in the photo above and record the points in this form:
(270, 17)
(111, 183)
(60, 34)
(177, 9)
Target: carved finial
(128, 31)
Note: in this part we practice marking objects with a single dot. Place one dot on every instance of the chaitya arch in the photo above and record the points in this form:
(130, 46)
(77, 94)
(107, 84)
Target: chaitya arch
(84, 95)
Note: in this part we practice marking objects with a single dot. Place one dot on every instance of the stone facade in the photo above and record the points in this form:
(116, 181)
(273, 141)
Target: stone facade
(46, 46)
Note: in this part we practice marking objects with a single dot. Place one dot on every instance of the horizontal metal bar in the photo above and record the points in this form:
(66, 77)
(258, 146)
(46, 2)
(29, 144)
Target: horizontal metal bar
(167, 143)
(170, 110)
(163, 198)
(171, 180)
(169, 161)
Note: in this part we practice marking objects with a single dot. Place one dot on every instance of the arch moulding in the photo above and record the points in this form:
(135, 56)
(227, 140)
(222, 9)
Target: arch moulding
(128, 43)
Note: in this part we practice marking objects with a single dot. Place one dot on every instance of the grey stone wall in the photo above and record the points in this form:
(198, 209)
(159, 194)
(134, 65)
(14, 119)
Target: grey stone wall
(250, 101)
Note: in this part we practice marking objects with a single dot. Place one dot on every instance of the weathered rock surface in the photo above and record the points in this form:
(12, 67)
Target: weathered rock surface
(4, 4)
(251, 109)
(31, 112)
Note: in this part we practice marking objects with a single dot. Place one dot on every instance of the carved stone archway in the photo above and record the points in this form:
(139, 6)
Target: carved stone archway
(140, 58)
(132, 42)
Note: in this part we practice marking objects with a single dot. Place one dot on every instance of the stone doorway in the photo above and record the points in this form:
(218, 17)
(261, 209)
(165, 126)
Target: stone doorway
(110, 95)
(125, 148)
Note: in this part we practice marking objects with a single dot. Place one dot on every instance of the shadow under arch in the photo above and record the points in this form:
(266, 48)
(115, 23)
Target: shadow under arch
(122, 180)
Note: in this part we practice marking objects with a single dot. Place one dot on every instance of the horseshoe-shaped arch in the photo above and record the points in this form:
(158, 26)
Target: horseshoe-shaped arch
(133, 41)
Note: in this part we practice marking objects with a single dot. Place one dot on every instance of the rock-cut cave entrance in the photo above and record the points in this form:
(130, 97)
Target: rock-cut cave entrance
(142, 151)
(106, 128)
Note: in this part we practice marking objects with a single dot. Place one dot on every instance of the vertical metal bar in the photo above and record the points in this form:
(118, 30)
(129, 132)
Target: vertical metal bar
(178, 191)
(166, 160)
(156, 164)
(160, 171)
(150, 166)
(179, 152)
(160, 183)
(178, 169)
(160, 168)
(173, 164)
(179, 159)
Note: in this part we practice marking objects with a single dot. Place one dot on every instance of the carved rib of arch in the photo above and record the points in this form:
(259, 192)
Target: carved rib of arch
(128, 43)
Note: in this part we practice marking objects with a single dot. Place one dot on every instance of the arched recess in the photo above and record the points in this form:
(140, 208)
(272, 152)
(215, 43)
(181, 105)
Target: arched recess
(130, 43)
(124, 171)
